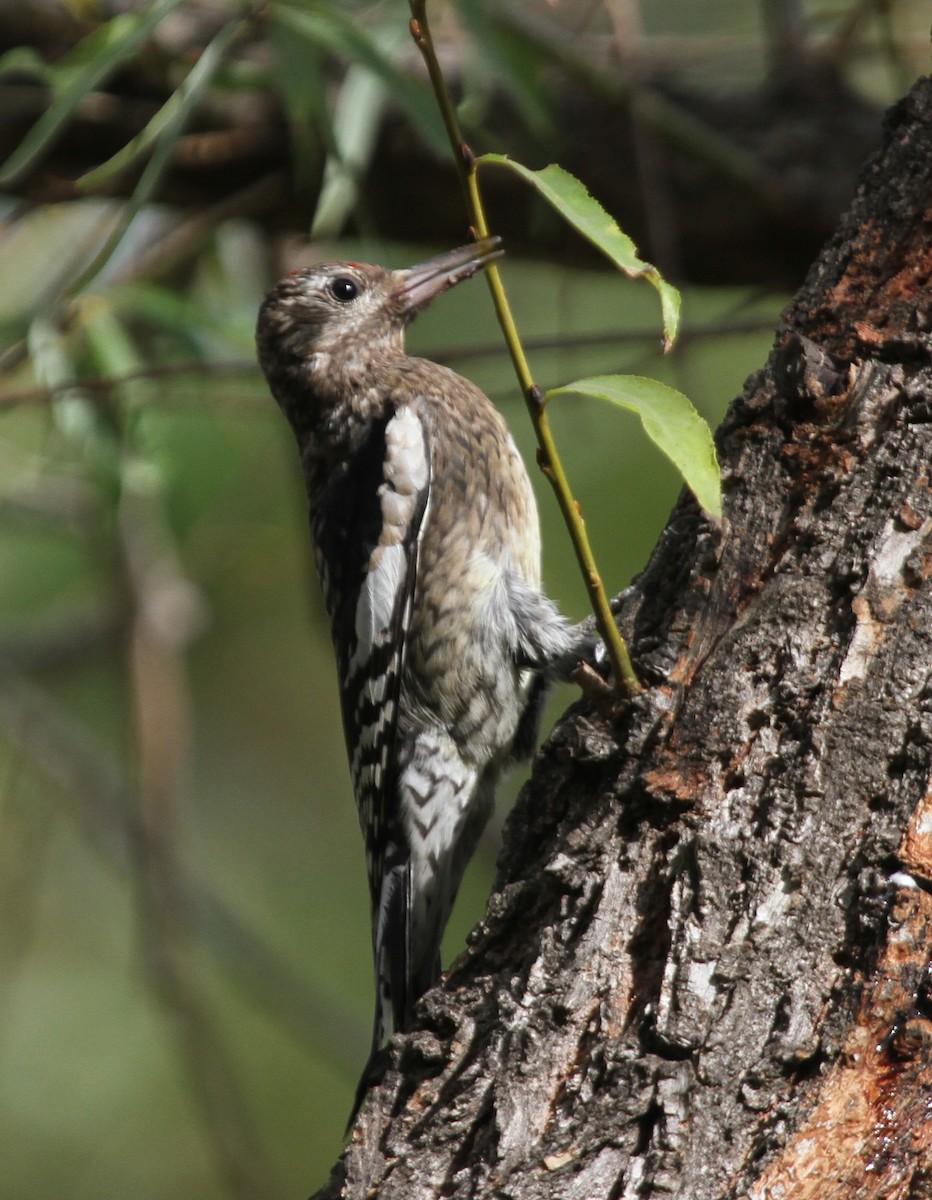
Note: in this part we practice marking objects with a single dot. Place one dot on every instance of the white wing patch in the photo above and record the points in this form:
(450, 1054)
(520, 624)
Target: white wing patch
(406, 473)
(377, 599)
(406, 466)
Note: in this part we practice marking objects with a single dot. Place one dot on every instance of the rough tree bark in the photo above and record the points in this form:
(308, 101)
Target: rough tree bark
(705, 968)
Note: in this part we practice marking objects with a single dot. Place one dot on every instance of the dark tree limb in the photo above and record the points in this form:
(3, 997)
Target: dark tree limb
(705, 968)
(735, 188)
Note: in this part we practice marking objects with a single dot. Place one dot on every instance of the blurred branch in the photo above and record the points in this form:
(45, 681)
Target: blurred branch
(189, 236)
(102, 803)
(60, 639)
(104, 384)
(165, 611)
(611, 337)
(743, 172)
(449, 353)
(671, 120)
(23, 845)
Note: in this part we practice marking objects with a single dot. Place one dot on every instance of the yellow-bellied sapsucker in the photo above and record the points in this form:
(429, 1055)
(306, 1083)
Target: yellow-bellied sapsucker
(426, 539)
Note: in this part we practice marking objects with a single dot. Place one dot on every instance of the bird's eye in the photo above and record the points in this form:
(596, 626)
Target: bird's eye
(343, 289)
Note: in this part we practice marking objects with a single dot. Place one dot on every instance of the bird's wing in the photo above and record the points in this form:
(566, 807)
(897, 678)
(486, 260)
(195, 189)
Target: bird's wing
(367, 543)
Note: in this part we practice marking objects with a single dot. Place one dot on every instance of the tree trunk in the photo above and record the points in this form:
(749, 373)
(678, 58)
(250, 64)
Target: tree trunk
(705, 967)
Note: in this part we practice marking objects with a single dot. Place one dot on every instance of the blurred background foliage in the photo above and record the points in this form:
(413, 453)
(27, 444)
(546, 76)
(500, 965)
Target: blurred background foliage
(184, 951)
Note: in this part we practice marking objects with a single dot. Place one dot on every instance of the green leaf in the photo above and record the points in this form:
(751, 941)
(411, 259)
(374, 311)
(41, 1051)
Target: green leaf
(171, 116)
(356, 119)
(671, 423)
(190, 93)
(112, 349)
(45, 247)
(568, 196)
(23, 60)
(511, 62)
(161, 308)
(73, 412)
(301, 77)
(94, 58)
(327, 26)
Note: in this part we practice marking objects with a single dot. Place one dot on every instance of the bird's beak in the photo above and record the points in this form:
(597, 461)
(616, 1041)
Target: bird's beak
(423, 283)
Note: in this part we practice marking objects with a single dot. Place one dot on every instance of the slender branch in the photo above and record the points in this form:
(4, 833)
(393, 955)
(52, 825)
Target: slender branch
(548, 458)
(105, 384)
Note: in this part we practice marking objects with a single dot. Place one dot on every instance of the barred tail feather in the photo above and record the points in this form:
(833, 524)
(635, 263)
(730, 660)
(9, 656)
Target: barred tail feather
(391, 958)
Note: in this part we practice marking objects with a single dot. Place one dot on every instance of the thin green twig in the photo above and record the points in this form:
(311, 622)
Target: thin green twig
(548, 458)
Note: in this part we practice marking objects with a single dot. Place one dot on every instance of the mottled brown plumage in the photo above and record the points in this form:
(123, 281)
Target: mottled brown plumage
(426, 540)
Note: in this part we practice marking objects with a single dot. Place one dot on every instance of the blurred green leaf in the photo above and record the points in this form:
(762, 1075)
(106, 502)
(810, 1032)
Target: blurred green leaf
(112, 349)
(23, 60)
(45, 246)
(111, 346)
(13, 328)
(328, 27)
(158, 305)
(301, 78)
(73, 412)
(671, 423)
(569, 197)
(356, 119)
(193, 88)
(91, 61)
(170, 118)
(177, 323)
(513, 62)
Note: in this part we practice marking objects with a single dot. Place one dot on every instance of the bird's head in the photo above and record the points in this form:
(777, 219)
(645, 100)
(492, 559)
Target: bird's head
(325, 326)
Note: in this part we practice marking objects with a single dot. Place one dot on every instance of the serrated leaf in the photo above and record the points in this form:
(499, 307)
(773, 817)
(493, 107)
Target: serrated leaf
(94, 58)
(565, 193)
(327, 26)
(671, 423)
(171, 116)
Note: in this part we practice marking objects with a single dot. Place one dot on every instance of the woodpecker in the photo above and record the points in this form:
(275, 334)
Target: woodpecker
(427, 544)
